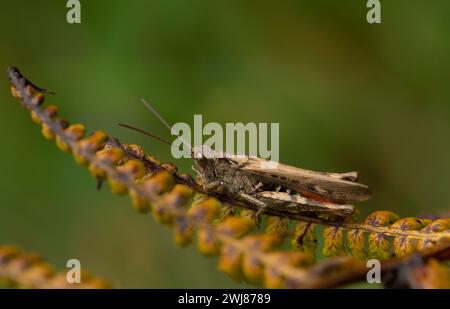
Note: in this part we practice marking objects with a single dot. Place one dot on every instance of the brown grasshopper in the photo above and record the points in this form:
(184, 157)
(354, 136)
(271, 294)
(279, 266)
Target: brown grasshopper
(285, 188)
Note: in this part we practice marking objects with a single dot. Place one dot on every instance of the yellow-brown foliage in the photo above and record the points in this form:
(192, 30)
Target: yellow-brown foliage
(226, 228)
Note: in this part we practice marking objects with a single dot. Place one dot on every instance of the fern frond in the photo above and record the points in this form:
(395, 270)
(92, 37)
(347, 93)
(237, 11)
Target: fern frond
(225, 227)
(382, 235)
(28, 270)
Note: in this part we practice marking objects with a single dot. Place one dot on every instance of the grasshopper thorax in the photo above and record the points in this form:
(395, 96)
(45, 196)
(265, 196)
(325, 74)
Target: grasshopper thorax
(217, 168)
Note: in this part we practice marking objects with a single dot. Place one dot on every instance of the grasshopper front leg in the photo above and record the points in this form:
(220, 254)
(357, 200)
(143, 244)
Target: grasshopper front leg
(213, 186)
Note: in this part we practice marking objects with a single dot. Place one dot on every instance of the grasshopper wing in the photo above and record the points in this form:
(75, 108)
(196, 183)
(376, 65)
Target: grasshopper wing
(327, 187)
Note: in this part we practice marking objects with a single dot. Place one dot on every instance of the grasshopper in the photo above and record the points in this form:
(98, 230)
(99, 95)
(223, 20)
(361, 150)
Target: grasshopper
(285, 188)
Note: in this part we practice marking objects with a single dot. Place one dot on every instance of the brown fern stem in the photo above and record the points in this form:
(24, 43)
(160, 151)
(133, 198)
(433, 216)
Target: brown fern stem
(389, 231)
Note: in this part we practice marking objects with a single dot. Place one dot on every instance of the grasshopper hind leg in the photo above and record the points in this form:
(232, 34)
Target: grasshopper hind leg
(254, 201)
(294, 203)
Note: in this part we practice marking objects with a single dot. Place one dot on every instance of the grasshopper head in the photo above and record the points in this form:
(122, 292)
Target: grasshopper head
(205, 158)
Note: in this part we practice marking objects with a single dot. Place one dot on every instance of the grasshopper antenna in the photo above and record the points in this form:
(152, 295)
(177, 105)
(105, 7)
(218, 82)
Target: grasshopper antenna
(145, 133)
(154, 112)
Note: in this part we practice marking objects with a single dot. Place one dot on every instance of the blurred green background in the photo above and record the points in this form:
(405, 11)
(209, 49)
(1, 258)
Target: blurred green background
(348, 96)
